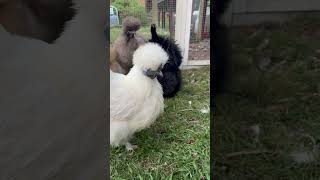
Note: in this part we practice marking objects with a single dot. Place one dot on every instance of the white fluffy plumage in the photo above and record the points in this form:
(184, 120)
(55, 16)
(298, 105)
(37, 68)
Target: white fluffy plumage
(136, 100)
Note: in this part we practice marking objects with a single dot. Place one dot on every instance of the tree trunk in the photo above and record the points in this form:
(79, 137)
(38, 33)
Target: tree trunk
(154, 12)
(163, 19)
(202, 16)
(171, 18)
(159, 16)
(192, 19)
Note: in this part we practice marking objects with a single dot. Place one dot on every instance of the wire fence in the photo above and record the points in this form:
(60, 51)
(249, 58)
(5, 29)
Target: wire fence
(199, 47)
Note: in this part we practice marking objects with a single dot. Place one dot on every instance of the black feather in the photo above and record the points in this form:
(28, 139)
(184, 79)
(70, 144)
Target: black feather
(171, 79)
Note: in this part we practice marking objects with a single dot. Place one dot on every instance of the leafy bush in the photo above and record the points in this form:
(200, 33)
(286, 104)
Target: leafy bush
(131, 8)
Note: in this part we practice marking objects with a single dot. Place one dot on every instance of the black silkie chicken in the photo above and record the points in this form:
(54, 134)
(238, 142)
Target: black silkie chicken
(170, 79)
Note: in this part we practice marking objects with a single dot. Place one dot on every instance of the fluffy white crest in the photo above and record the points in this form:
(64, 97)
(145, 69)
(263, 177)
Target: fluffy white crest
(150, 56)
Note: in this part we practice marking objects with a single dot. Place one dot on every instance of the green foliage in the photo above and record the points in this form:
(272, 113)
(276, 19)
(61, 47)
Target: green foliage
(131, 8)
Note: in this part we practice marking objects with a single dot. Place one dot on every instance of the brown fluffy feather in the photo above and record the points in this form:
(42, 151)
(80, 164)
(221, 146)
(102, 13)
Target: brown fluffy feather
(125, 45)
(114, 64)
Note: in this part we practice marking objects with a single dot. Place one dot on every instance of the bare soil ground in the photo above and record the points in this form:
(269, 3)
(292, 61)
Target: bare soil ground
(200, 50)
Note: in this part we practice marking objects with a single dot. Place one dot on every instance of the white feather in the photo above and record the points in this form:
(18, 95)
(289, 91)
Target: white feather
(136, 100)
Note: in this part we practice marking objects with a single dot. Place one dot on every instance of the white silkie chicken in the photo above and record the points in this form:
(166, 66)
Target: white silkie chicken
(136, 99)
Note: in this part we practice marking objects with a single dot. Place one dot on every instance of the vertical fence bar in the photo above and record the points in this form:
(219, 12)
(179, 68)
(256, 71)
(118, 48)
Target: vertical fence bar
(183, 26)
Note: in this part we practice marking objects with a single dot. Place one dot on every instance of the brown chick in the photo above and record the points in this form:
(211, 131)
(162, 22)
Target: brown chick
(126, 44)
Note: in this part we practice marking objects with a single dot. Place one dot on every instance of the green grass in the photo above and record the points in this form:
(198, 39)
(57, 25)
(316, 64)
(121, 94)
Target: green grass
(176, 146)
(282, 99)
(144, 31)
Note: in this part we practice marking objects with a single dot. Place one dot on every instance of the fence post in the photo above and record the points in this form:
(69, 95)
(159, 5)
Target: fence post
(183, 26)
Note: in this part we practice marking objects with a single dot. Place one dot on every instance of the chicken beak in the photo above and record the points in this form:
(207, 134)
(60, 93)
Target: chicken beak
(153, 74)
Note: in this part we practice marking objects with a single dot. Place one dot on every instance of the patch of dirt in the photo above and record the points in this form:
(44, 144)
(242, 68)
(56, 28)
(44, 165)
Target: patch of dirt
(200, 50)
